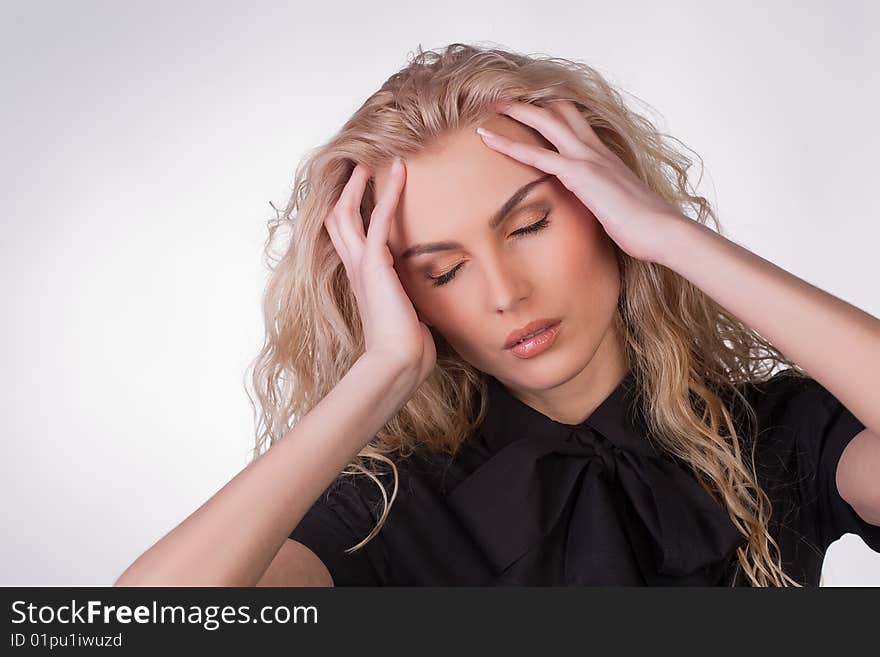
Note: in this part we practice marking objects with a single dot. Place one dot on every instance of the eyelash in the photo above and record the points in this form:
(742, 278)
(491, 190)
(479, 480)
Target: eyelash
(539, 225)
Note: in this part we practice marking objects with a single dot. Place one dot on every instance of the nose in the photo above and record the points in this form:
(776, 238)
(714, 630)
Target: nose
(507, 285)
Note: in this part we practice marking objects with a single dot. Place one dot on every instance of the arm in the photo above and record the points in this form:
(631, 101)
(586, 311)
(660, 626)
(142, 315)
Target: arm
(837, 343)
(234, 536)
(296, 565)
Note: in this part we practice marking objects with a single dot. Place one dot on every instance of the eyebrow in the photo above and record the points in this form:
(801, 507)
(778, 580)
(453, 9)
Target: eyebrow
(506, 209)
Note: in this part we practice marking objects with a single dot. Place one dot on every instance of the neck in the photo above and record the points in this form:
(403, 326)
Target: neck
(574, 400)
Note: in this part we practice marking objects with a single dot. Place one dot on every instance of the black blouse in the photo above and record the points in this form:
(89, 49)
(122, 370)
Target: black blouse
(535, 502)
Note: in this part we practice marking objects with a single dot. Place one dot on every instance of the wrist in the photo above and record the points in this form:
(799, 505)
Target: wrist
(392, 368)
(674, 244)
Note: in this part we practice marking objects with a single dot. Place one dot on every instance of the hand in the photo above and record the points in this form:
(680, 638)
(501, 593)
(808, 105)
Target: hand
(635, 217)
(390, 323)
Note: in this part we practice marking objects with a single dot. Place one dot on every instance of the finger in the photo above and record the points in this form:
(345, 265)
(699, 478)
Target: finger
(349, 202)
(551, 126)
(348, 206)
(330, 223)
(341, 223)
(536, 156)
(351, 195)
(577, 122)
(379, 229)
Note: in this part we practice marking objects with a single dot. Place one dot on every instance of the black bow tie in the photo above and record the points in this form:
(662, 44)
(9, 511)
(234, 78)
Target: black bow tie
(634, 516)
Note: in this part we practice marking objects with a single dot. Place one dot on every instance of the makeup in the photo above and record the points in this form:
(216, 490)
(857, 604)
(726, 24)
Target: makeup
(537, 344)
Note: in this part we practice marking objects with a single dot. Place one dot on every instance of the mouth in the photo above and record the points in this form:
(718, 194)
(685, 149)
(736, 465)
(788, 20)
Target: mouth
(529, 330)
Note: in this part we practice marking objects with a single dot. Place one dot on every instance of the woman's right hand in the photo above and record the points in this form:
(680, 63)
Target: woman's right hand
(389, 321)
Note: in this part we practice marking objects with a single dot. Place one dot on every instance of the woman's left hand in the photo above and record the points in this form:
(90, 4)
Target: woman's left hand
(635, 217)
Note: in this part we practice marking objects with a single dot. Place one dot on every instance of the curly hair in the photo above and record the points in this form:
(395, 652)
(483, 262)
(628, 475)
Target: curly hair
(688, 354)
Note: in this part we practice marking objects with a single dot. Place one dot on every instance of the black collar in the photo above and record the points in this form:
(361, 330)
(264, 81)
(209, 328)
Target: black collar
(619, 417)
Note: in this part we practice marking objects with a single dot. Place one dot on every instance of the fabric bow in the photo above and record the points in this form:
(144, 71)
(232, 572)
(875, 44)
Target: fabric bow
(634, 516)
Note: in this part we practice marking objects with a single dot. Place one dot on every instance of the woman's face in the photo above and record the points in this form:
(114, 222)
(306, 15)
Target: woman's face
(493, 280)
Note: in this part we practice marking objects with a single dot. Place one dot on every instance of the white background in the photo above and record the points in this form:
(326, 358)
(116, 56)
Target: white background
(143, 141)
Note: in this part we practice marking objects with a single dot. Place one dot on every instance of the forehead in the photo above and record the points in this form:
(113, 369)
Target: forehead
(451, 191)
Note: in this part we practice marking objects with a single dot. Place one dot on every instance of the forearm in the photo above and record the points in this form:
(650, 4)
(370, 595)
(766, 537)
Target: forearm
(835, 342)
(232, 538)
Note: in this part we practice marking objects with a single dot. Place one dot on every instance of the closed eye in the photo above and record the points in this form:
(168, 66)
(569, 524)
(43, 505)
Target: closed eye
(539, 225)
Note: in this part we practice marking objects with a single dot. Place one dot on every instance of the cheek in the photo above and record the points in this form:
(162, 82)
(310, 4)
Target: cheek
(436, 309)
(415, 292)
(582, 253)
(448, 313)
(585, 260)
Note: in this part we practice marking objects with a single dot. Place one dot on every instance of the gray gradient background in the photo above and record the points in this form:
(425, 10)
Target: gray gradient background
(143, 142)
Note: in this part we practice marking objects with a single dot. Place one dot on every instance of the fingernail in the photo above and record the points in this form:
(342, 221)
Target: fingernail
(486, 133)
(396, 165)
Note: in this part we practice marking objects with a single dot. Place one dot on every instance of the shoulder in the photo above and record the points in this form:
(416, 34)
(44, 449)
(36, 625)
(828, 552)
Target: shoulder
(800, 408)
(360, 497)
(796, 410)
(802, 433)
(787, 392)
(800, 430)
(345, 513)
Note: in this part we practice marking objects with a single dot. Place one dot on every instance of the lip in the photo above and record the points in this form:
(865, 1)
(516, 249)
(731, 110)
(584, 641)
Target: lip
(529, 328)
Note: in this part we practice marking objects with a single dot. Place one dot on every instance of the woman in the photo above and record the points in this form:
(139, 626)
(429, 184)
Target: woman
(561, 377)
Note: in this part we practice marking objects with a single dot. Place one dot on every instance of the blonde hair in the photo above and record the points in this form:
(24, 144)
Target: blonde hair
(687, 352)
